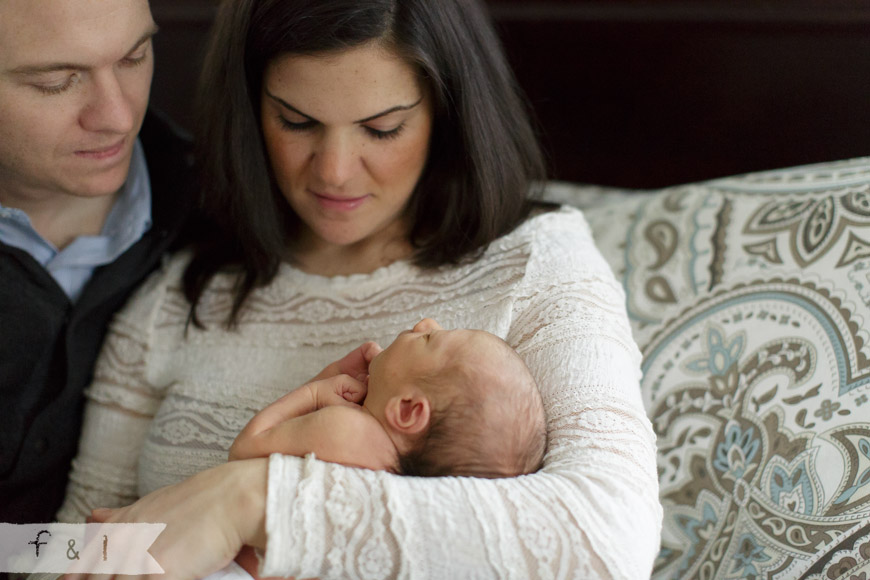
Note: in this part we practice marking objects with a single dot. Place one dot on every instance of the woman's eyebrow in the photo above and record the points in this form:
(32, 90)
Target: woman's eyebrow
(390, 110)
(287, 105)
(290, 107)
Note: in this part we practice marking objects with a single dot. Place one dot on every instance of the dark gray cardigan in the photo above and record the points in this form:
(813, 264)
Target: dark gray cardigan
(48, 346)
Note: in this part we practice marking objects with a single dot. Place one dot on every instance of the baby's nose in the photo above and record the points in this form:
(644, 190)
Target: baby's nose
(426, 325)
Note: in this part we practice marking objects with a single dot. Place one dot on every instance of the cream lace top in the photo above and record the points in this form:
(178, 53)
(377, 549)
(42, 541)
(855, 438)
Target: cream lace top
(164, 406)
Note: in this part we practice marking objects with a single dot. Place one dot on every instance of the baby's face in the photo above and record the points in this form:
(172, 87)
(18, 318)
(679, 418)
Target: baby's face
(424, 351)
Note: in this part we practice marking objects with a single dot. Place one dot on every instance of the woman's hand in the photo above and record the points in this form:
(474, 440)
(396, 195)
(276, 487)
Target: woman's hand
(208, 517)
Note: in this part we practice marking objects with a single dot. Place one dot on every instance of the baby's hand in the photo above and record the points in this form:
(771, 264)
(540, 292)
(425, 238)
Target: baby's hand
(338, 390)
(354, 364)
(263, 433)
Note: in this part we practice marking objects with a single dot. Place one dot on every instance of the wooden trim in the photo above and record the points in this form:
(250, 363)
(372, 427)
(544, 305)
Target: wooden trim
(854, 13)
(184, 12)
(842, 13)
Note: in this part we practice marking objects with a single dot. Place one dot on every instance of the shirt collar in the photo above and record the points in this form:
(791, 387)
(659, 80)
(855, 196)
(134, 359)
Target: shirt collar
(128, 220)
(129, 217)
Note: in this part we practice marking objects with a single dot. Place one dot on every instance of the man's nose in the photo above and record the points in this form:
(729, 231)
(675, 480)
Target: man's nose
(108, 108)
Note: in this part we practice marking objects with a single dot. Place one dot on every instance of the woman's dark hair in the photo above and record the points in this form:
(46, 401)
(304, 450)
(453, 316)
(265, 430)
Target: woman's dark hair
(484, 157)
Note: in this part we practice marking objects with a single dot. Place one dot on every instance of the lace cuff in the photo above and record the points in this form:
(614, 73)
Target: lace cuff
(285, 472)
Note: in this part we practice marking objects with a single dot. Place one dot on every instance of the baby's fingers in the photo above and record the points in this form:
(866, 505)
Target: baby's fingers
(338, 390)
(356, 392)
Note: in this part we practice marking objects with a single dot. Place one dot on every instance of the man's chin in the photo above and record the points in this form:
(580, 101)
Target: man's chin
(104, 184)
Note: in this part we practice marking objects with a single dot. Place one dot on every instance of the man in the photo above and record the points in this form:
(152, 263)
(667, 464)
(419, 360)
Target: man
(86, 211)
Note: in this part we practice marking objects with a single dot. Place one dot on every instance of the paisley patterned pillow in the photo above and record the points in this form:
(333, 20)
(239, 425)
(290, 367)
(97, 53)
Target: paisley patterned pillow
(750, 300)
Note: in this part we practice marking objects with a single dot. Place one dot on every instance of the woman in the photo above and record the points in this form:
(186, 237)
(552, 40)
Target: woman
(367, 164)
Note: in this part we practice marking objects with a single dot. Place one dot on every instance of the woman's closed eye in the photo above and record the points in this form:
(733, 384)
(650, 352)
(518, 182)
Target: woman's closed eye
(309, 124)
(296, 125)
(385, 134)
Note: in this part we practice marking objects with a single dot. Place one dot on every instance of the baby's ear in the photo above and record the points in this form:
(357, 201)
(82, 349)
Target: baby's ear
(409, 413)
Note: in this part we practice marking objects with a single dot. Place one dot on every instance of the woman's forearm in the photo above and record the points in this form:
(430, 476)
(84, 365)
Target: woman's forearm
(250, 508)
(208, 517)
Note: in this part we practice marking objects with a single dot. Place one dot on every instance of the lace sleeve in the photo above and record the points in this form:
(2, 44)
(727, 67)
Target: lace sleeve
(118, 412)
(591, 512)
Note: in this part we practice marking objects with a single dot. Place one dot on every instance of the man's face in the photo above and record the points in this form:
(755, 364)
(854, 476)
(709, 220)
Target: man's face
(74, 82)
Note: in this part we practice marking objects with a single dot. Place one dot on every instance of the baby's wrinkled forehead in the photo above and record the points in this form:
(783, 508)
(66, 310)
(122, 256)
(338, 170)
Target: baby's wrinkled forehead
(485, 344)
(481, 351)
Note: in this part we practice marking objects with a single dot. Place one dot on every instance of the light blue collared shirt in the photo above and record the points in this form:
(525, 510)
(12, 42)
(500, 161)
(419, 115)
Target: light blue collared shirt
(73, 266)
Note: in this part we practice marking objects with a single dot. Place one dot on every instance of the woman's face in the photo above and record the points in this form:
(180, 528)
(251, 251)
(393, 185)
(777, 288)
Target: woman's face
(347, 134)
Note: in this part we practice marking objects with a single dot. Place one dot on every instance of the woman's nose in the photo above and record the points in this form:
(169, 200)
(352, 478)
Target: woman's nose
(336, 160)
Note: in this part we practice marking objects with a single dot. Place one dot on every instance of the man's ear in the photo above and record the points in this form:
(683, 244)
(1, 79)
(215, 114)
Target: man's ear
(409, 413)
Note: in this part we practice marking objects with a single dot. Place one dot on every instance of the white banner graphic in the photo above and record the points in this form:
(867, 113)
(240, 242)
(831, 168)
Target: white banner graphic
(79, 548)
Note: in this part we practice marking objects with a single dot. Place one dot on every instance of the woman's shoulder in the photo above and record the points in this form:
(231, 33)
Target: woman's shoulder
(151, 295)
(551, 231)
(549, 221)
(557, 243)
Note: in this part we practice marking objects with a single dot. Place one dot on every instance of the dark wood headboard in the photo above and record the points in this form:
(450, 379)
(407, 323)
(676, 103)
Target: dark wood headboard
(648, 93)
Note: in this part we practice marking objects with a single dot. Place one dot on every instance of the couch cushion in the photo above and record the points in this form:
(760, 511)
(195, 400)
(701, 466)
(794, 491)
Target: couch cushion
(749, 299)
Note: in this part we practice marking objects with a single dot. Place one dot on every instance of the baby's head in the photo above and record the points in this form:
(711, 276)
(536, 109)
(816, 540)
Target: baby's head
(457, 402)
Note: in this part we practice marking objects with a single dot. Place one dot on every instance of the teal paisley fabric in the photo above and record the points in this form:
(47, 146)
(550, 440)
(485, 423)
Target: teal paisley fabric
(750, 300)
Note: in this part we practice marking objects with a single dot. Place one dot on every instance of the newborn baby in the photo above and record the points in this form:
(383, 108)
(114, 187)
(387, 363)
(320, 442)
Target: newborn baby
(434, 403)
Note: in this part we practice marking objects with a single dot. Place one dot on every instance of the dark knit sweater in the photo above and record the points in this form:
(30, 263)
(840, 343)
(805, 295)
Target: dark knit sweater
(48, 346)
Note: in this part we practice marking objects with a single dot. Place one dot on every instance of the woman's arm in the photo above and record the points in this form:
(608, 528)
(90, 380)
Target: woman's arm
(118, 413)
(593, 510)
(209, 517)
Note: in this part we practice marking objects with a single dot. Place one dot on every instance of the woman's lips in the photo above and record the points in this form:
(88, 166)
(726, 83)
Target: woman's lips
(104, 153)
(337, 203)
